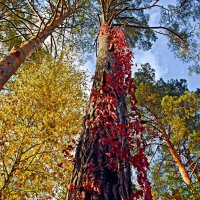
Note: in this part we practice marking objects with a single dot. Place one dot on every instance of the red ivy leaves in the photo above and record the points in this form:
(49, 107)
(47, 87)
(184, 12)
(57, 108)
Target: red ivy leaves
(60, 164)
(124, 85)
(71, 187)
(105, 120)
(109, 79)
(113, 164)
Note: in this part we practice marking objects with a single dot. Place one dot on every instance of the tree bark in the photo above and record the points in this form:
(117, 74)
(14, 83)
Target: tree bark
(18, 54)
(177, 160)
(94, 177)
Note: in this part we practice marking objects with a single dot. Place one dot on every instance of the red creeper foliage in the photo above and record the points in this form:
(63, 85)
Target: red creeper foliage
(119, 129)
(120, 83)
(124, 84)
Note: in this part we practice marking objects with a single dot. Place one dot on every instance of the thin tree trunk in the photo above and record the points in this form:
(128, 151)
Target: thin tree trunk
(175, 156)
(177, 160)
(18, 54)
(97, 175)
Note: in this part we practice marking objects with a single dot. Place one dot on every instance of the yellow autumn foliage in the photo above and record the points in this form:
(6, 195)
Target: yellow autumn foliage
(40, 112)
(177, 110)
(149, 97)
(170, 112)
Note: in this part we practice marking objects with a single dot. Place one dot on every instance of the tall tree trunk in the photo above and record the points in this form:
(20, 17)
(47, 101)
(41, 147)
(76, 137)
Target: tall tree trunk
(109, 183)
(102, 162)
(177, 160)
(18, 54)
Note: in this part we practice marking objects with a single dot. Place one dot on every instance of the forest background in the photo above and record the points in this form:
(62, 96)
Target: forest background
(42, 106)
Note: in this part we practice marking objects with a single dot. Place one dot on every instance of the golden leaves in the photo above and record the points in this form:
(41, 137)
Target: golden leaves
(39, 115)
(169, 112)
(177, 110)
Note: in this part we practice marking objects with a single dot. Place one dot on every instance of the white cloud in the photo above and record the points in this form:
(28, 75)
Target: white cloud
(154, 18)
(151, 58)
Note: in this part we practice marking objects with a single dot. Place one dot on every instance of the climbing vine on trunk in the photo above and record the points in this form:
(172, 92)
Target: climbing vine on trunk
(103, 158)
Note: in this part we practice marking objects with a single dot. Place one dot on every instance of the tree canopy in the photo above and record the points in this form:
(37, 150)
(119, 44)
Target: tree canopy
(40, 117)
(170, 115)
(76, 21)
(41, 106)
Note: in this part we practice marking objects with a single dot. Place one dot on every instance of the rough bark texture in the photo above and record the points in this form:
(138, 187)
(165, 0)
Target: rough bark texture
(107, 183)
(18, 54)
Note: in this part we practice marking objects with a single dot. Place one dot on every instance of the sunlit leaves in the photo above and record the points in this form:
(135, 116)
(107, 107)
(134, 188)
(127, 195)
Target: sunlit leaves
(177, 110)
(41, 110)
(171, 108)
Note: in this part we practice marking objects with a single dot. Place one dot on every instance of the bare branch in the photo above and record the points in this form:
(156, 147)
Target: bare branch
(56, 11)
(23, 152)
(13, 38)
(99, 19)
(152, 27)
(27, 27)
(103, 9)
(16, 28)
(54, 42)
(4, 165)
(22, 18)
(35, 11)
(50, 5)
(110, 3)
(136, 9)
(193, 162)
(193, 170)
(40, 29)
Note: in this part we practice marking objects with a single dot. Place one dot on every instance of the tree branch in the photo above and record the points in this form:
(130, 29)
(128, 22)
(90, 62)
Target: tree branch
(152, 27)
(136, 9)
(22, 18)
(50, 5)
(103, 9)
(193, 162)
(4, 165)
(15, 27)
(35, 11)
(56, 11)
(10, 39)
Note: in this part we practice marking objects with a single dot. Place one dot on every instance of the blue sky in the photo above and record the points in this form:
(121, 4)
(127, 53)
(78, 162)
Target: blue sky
(161, 58)
(165, 64)
(163, 61)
